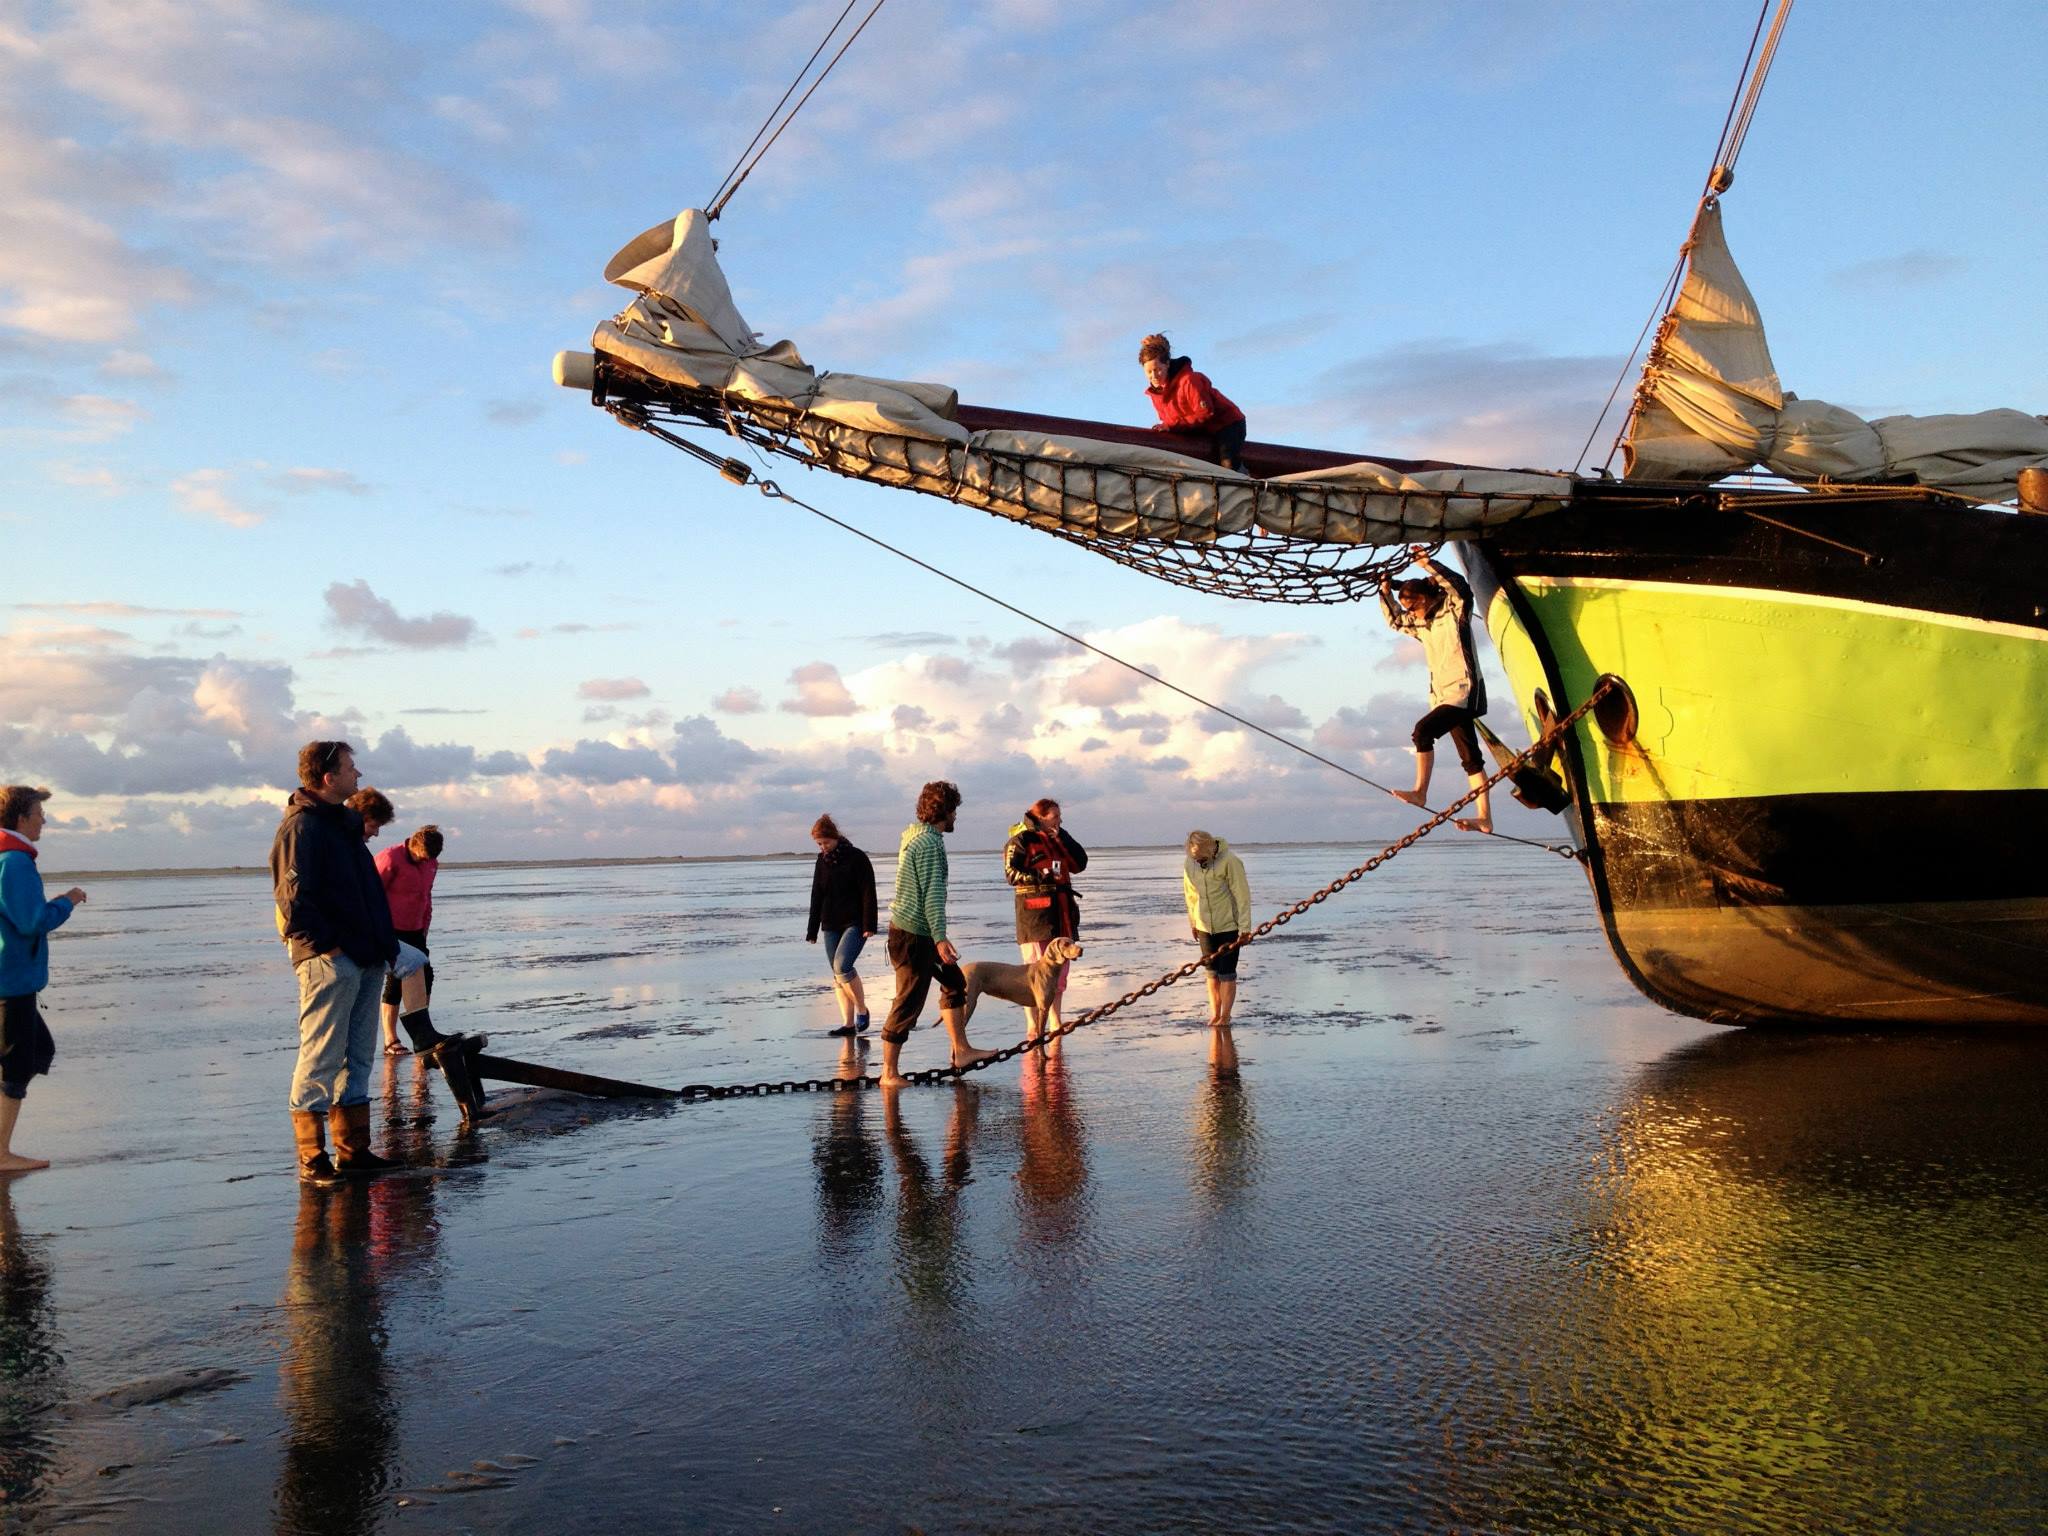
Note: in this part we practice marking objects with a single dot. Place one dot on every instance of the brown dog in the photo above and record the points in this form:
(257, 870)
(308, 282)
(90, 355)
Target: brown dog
(1029, 986)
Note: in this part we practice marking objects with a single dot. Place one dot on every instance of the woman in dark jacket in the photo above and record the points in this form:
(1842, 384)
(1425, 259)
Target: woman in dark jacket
(843, 910)
(1040, 862)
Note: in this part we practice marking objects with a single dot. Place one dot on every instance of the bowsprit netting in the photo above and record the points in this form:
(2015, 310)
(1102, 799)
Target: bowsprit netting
(1212, 532)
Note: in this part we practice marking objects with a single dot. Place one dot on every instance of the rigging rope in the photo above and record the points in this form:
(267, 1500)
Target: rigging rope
(718, 190)
(1749, 89)
(725, 197)
(740, 474)
(694, 1091)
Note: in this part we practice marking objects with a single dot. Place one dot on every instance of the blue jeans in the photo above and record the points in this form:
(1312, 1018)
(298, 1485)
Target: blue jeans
(842, 948)
(337, 1032)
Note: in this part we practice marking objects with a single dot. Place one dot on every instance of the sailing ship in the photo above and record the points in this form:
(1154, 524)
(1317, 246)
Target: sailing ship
(1816, 787)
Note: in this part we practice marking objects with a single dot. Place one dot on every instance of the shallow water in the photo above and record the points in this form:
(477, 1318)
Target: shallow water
(1468, 1237)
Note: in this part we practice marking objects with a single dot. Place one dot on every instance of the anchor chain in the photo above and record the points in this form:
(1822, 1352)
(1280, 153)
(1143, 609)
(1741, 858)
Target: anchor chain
(933, 1075)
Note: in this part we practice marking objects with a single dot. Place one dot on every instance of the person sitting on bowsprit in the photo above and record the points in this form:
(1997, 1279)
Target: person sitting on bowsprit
(1040, 861)
(1187, 402)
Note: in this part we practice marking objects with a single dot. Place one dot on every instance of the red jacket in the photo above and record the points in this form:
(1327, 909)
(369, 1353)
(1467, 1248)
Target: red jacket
(408, 886)
(1188, 402)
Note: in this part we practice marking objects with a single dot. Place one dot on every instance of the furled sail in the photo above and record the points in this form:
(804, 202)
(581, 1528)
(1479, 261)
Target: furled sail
(684, 338)
(1710, 404)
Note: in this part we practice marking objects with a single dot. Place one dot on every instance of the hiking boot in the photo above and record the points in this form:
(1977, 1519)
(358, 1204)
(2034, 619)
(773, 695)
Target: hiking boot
(318, 1173)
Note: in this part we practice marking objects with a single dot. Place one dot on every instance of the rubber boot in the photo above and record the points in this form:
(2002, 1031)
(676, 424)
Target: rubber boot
(452, 1056)
(354, 1158)
(314, 1167)
(421, 1028)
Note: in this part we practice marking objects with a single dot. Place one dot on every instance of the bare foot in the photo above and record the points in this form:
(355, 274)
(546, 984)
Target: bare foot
(890, 1079)
(1413, 797)
(963, 1060)
(14, 1162)
(1472, 823)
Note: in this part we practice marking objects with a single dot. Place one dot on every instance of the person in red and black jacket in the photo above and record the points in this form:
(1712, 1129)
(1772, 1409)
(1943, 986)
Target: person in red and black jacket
(1040, 861)
(1187, 402)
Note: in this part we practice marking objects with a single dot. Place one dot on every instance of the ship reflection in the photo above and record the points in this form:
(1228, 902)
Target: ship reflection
(1789, 1247)
(30, 1365)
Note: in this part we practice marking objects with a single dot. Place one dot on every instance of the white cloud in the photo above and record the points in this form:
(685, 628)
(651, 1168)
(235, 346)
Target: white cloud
(819, 691)
(207, 493)
(738, 701)
(612, 688)
(300, 482)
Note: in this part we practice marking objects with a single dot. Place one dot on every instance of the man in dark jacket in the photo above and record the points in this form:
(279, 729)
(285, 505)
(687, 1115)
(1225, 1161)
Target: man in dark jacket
(337, 925)
(1040, 861)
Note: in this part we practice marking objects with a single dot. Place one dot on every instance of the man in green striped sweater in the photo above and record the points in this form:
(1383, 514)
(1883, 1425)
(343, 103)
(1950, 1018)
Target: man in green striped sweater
(918, 946)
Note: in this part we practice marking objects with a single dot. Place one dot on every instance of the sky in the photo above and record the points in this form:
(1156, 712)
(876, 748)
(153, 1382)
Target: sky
(280, 457)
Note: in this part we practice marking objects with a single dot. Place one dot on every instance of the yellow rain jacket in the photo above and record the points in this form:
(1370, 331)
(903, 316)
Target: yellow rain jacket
(1219, 897)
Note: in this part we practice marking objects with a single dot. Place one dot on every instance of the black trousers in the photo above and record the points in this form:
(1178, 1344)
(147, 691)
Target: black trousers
(916, 959)
(1454, 721)
(26, 1048)
(394, 989)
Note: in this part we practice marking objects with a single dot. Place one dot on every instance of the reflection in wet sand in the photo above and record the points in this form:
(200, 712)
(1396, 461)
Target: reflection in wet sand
(1226, 1150)
(341, 1420)
(848, 1164)
(1052, 1166)
(930, 1263)
(352, 1249)
(31, 1368)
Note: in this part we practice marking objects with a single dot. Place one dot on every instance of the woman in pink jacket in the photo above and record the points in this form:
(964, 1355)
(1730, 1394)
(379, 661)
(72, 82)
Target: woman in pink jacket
(407, 870)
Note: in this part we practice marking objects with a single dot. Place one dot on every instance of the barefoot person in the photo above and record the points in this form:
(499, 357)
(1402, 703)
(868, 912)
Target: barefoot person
(1438, 612)
(25, 919)
(1219, 899)
(1040, 862)
(337, 927)
(843, 910)
(918, 946)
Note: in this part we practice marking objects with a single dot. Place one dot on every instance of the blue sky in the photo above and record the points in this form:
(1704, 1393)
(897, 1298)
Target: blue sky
(279, 286)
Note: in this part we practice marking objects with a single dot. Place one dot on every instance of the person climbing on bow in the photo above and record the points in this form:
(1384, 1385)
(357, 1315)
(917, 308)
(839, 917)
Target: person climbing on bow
(1437, 610)
(1187, 402)
(1040, 861)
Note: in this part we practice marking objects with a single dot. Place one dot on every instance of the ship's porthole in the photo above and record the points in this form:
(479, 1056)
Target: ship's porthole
(1615, 714)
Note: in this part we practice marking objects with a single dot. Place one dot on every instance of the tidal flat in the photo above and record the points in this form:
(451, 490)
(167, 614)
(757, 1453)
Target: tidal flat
(1456, 1232)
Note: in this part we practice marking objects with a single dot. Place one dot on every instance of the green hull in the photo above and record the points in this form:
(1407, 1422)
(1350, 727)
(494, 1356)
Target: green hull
(1827, 802)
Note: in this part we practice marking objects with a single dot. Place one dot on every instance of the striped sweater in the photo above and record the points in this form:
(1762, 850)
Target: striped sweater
(919, 905)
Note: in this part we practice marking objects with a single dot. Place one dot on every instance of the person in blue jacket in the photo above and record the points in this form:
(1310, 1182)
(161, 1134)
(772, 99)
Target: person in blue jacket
(26, 919)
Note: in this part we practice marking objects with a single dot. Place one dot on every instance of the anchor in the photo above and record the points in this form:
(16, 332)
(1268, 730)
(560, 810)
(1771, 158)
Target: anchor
(462, 1062)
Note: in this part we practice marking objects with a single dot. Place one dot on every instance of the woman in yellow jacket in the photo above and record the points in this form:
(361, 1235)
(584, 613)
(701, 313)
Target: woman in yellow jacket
(1219, 909)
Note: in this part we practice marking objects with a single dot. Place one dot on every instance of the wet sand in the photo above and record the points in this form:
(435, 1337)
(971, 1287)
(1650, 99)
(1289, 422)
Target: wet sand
(1459, 1233)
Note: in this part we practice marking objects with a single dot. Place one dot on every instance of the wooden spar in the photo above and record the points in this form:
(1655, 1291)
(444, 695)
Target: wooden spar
(1264, 460)
(505, 1070)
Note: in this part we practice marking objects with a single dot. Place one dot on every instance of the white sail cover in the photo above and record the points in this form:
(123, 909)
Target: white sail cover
(1710, 405)
(684, 329)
